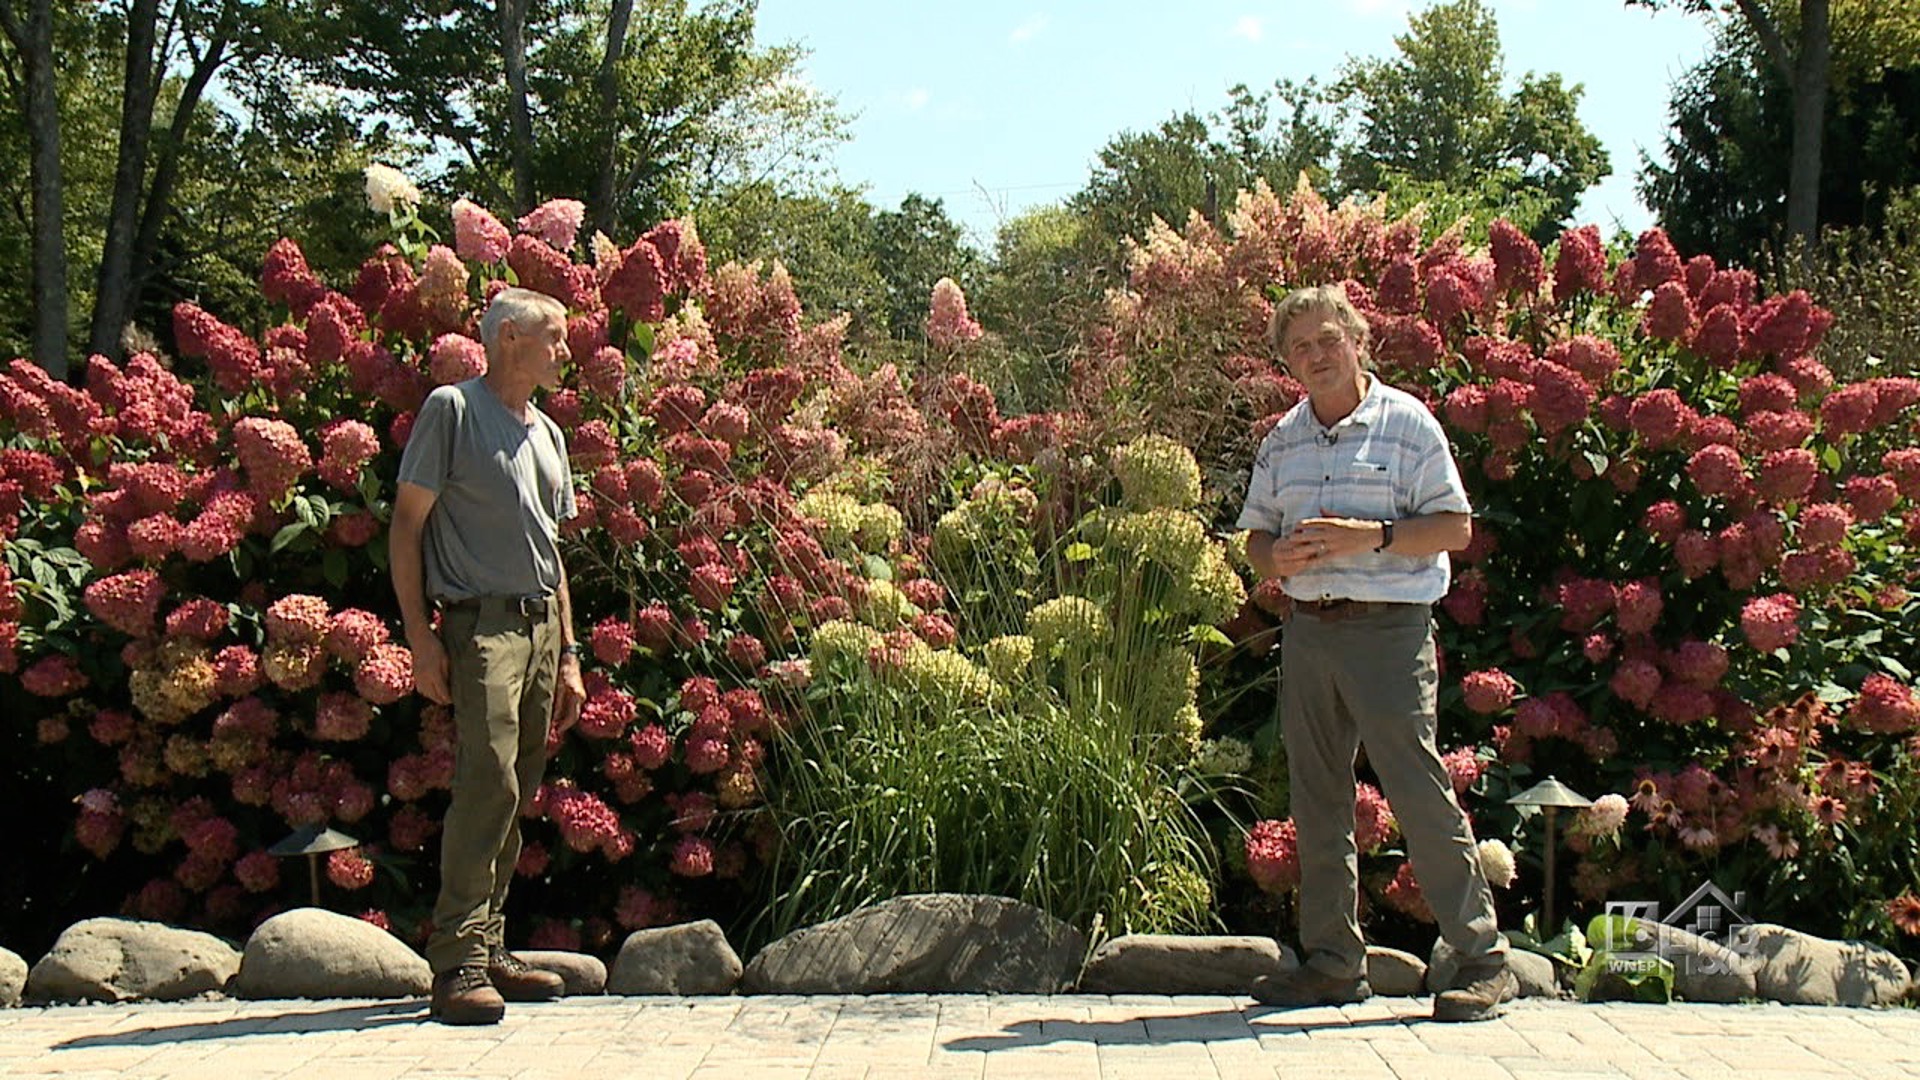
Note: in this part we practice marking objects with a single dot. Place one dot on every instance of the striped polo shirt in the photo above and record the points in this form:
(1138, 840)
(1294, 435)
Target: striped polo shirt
(1387, 460)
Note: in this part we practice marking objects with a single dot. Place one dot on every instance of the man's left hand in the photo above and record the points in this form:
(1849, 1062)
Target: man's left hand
(569, 694)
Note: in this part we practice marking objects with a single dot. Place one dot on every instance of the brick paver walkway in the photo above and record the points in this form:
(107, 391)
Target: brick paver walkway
(949, 1038)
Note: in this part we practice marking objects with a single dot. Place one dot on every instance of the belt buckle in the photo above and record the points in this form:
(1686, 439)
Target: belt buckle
(532, 607)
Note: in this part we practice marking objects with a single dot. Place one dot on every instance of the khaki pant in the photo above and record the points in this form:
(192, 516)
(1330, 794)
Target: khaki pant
(502, 666)
(1371, 679)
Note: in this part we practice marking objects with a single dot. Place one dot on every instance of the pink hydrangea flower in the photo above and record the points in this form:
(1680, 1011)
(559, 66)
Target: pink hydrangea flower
(385, 674)
(1273, 855)
(477, 235)
(298, 619)
(1489, 691)
(556, 221)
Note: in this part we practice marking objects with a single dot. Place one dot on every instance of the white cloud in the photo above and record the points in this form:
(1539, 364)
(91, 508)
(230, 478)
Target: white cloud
(1248, 27)
(916, 99)
(1372, 8)
(1029, 30)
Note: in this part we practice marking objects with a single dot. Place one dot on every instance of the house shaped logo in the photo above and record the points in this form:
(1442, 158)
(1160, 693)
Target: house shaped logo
(1708, 913)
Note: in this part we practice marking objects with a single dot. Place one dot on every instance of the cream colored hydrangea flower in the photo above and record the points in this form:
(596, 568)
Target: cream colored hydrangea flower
(1496, 862)
(1009, 658)
(885, 607)
(1156, 472)
(1066, 619)
(389, 189)
(1224, 756)
(838, 641)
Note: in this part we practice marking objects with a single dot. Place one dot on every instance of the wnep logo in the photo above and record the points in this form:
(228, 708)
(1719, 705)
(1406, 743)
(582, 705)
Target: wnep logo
(1707, 913)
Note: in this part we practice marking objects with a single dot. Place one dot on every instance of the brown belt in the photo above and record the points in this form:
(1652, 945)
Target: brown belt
(536, 608)
(1336, 610)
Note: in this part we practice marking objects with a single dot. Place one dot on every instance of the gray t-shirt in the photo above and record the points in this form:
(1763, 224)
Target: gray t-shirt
(503, 487)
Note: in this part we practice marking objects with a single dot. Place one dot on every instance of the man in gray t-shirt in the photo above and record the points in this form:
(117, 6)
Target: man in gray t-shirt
(484, 485)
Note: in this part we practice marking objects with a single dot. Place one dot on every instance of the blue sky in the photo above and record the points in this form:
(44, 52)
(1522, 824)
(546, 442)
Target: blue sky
(998, 105)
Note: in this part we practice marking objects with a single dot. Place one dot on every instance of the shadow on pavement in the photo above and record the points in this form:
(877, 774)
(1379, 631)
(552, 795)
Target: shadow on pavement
(1201, 1027)
(350, 1018)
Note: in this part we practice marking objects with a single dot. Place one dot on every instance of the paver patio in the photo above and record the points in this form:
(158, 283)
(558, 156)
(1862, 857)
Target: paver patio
(907, 1037)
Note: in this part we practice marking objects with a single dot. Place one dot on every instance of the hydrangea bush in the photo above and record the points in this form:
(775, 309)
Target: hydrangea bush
(1688, 584)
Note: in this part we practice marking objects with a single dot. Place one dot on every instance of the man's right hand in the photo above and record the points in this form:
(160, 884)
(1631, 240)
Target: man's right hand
(430, 667)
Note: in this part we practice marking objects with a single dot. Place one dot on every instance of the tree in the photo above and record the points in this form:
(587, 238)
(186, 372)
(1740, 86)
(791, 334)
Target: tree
(199, 40)
(1806, 64)
(1196, 163)
(31, 79)
(1438, 114)
(641, 110)
(1723, 186)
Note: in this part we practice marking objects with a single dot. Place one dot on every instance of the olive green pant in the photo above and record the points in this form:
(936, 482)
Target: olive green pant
(1371, 679)
(501, 666)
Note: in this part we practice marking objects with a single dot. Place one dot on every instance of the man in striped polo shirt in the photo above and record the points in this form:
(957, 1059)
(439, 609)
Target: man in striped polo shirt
(1354, 501)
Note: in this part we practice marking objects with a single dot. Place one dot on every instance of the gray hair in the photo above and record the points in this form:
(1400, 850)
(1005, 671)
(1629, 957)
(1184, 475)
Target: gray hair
(1334, 299)
(521, 307)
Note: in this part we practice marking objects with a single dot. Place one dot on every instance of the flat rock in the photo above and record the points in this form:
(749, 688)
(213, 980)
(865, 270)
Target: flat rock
(935, 943)
(1535, 972)
(1800, 969)
(583, 974)
(13, 978)
(127, 960)
(691, 958)
(312, 953)
(1183, 964)
(1393, 973)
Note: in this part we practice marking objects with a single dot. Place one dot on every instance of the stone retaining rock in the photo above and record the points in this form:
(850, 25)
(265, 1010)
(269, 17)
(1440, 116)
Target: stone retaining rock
(940, 943)
(1183, 964)
(691, 958)
(13, 978)
(311, 953)
(126, 959)
(1536, 973)
(1393, 973)
(1800, 969)
(584, 975)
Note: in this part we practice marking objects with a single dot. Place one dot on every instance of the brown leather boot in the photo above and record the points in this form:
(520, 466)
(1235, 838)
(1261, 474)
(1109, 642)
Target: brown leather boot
(1483, 998)
(518, 981)
(464, 996)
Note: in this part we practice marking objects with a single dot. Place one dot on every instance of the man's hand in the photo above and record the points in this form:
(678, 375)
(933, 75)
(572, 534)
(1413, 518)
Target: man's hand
(430, 667)
(569, 693)
(1321, 539)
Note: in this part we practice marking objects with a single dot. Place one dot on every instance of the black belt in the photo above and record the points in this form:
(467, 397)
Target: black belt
(527, 607)
(1337, 609)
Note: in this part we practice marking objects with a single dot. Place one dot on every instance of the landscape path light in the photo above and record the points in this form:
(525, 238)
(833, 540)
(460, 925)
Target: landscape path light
(313, 841)
(1550, 796)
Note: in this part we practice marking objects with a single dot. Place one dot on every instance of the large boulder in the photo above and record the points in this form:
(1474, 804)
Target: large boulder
(126, 959)
(1183, 964)
(583, 974)
(938, 943)
(691, 958)
(13, 978)
(1534, 972)
(1800, 969)
(1393, 973)
(311, 953)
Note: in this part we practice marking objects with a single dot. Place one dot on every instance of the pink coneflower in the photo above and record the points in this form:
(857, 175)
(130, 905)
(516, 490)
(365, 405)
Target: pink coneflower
(1904, 910)
(1830, 810)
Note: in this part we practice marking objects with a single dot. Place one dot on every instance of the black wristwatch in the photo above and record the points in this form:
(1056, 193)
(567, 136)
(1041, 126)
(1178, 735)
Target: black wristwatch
(572, 649)
(1386, 536)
